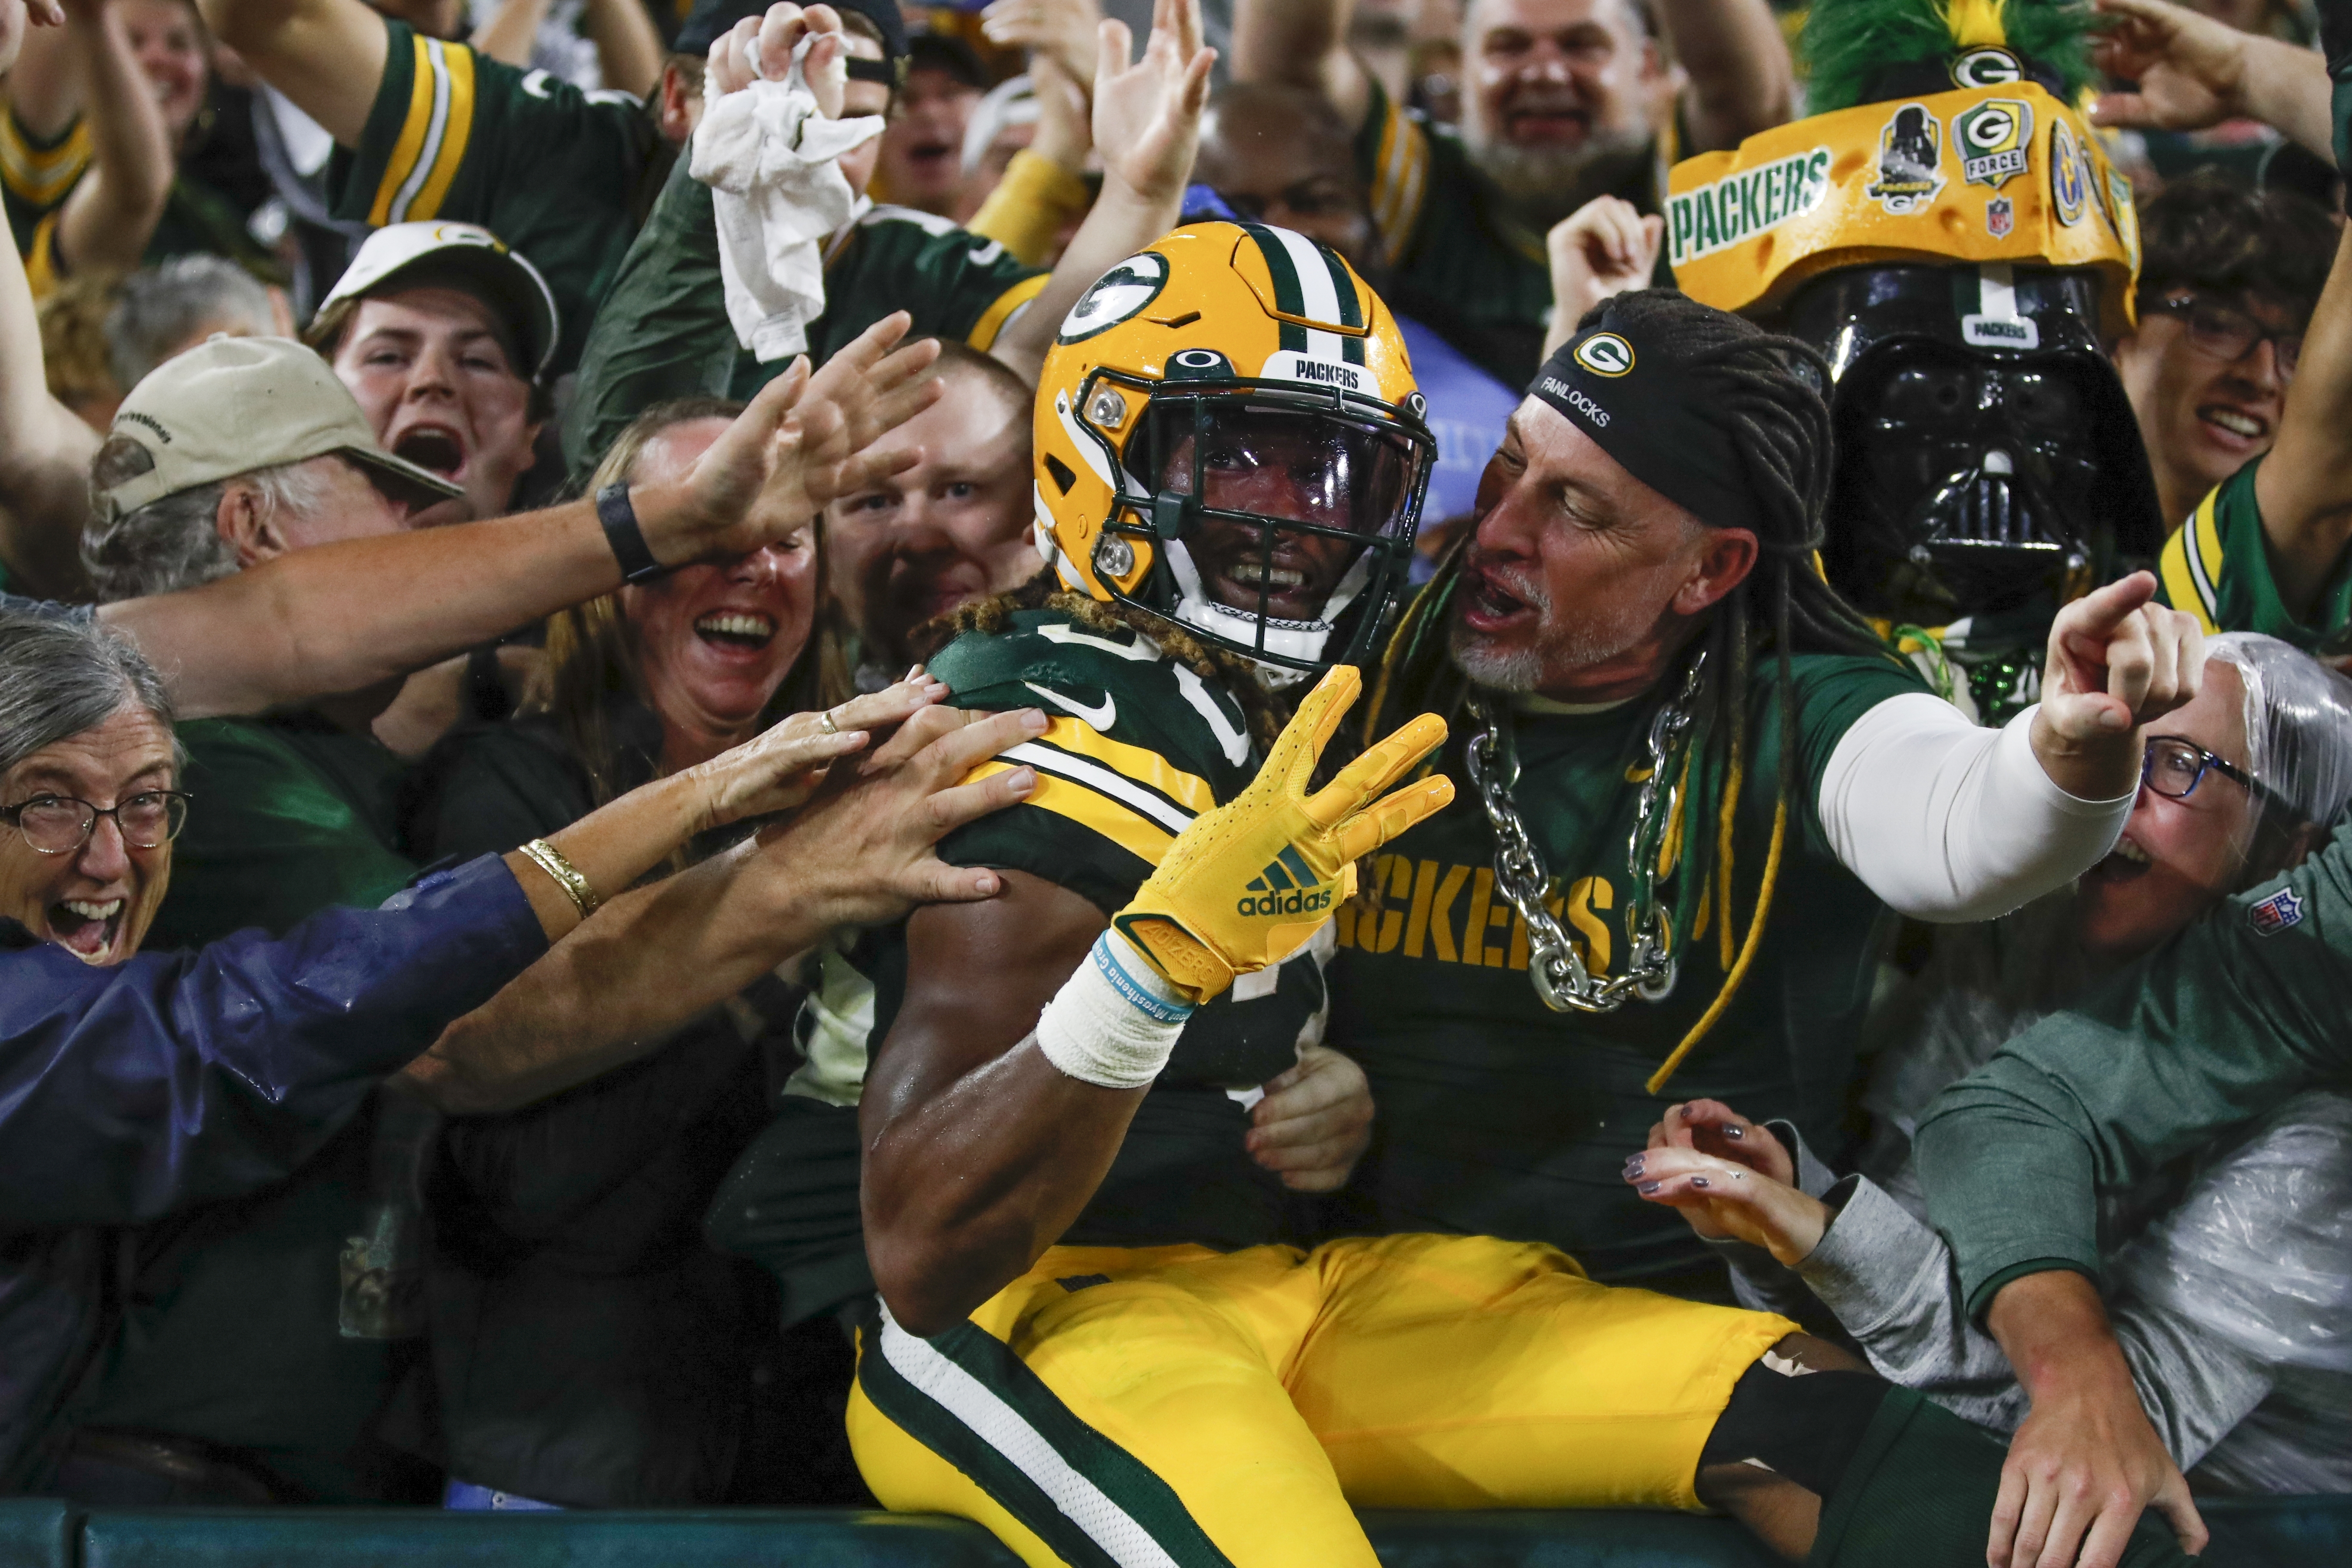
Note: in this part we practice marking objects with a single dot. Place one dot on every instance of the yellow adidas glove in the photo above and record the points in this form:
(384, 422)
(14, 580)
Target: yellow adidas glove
(1248, 883)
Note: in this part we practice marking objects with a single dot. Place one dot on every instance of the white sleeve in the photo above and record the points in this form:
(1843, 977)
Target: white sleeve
(1948, 822)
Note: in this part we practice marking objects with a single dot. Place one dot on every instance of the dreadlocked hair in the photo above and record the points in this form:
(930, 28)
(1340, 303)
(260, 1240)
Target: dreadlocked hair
(1265, 711)
(1765, 390)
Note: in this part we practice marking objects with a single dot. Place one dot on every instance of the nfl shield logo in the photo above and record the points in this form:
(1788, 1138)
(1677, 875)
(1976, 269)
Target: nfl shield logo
(2277, 912)
(2001, 216)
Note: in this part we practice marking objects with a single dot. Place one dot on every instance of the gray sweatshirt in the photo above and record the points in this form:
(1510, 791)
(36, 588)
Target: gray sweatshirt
(2231, 1298)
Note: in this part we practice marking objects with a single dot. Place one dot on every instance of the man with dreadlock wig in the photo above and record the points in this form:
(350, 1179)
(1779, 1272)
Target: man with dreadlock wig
(1947, 230)
(1692, 779)
(1090, 1335)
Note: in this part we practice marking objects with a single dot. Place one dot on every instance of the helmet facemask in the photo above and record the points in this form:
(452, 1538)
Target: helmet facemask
(1281, 518)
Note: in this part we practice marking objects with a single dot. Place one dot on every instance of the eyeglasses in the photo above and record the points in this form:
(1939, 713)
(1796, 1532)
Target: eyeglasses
(2227, 333)
(59, 823)
(2174, 767)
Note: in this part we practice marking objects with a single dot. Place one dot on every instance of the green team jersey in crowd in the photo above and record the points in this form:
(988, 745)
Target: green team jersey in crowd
(37, 175)
(1456, 258)
(549, 169)
(290, 814)
(2212, 1030)
(2217, 566)
(1499, 1117)
(663, 332)
(1157, 745)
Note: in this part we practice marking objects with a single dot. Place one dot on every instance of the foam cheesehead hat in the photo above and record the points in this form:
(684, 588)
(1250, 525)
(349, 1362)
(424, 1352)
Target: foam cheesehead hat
(234, 406)
(475, 258)
(1947, 230)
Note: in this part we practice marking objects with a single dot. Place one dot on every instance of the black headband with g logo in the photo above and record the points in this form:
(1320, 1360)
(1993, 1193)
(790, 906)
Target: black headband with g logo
(1636, 397)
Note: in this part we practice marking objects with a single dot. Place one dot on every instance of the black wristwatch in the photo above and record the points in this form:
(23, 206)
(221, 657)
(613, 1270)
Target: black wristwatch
(627, 540)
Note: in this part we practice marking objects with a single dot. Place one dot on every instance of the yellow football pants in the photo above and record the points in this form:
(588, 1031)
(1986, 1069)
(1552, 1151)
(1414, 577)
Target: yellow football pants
(1180, 1406)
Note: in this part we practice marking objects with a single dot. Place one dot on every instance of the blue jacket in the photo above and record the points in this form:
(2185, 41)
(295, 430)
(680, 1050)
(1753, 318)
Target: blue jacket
(132, 1094)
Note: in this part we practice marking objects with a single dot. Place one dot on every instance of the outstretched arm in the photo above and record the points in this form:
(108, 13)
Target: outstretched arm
(2192, 71)
(1147, 121)
(861, 853)
(1741, 80)
(344, 616)
(45, 454)
(111, 214)
(1303, 43)
(327, 56)
(2304, 487)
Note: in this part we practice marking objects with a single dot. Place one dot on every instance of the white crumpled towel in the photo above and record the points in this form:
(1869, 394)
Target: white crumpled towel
(768, 156)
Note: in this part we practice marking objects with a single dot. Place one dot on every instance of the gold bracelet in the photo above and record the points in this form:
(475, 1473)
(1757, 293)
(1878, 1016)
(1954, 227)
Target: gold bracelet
(566, 876)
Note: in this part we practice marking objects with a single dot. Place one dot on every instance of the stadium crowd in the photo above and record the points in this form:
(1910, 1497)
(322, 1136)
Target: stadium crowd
(1138, 766)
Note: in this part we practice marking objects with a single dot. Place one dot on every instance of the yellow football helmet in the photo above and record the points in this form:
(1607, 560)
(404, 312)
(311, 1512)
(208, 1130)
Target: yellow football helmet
(1228, 437)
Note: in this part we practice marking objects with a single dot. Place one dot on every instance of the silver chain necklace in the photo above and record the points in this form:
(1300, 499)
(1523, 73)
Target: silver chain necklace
(1554, 965)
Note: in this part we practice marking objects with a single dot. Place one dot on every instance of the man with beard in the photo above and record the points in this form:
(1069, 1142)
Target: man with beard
(1693, 779)
(1567, 99)
(1091, 1338)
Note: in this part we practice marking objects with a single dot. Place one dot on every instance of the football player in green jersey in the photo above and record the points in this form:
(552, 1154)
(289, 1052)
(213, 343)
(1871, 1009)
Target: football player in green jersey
(665, 331)
(1091, 1338)
(1563, 102)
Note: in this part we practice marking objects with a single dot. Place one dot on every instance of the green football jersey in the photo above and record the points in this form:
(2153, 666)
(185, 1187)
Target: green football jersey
(2217, 566)
(1137, 747)
(37, 175)
(1456, 258)
(37, 172)
(549, 169)
(1499, 1117)
(664, 333)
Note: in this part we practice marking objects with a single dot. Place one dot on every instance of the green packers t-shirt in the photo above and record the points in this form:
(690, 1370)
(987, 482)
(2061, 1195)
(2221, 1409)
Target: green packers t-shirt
(1499, 1117)
(664, 333)
(290, 816)
(37, 172)
(1458, 262)
(2217, 566)
(549, 169)
(37, 175)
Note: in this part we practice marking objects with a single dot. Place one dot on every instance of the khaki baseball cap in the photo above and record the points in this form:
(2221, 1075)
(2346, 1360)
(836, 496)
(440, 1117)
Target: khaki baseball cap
(231, 405)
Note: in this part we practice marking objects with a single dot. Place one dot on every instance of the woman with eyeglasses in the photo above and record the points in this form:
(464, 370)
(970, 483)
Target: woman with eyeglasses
(2230, 1282)
(146, 1097)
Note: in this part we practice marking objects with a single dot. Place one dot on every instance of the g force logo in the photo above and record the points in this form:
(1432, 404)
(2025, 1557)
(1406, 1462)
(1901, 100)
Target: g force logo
(1286, 887)
(1995, 140)
(1910, 162)
(1723, 213)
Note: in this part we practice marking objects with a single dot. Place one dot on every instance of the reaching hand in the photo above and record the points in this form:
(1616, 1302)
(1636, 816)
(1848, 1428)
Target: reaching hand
(2117, 661)
(2190, 68)
(1719, 1199)
(2084, 1462)
(1148, 114)
(1247, 884)
(1713, 1128)
(761, 48)
(1602, 249)
(864, 847)
(1066, 32)
(781, 768)
(1315, 1121)
(802, 443)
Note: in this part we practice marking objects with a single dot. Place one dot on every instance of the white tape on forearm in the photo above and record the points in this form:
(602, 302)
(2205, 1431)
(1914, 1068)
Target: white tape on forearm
(1114, 1022)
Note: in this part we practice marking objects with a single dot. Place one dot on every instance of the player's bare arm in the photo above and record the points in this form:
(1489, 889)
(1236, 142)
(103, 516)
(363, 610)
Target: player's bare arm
(327, 56)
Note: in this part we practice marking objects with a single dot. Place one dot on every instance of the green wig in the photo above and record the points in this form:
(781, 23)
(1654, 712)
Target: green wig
(1847, 43)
